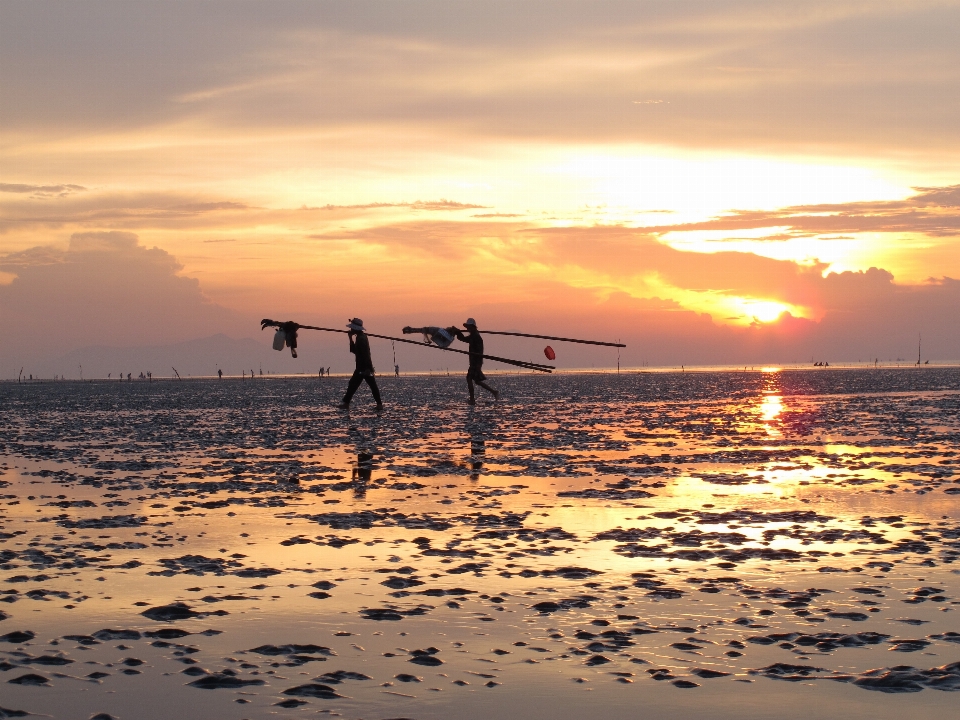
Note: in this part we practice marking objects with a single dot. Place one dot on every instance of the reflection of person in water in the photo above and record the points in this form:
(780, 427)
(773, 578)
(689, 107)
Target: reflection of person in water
(362, 474)
(478, 449)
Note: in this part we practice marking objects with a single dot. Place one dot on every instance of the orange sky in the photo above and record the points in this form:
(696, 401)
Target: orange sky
(679, 174)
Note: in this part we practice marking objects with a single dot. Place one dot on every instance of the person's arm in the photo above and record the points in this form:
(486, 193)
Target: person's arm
(353, 342)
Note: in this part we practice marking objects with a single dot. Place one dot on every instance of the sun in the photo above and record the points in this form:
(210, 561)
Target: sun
(765, 311)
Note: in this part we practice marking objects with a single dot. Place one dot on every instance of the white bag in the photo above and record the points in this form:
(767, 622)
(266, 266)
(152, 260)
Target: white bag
(442, 338)
(279, 339)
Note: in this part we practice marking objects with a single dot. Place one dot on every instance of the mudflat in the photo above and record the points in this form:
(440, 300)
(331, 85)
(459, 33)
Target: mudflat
(776, 544)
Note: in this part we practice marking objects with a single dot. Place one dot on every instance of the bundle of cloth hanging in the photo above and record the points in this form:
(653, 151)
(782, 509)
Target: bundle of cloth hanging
(439, 336)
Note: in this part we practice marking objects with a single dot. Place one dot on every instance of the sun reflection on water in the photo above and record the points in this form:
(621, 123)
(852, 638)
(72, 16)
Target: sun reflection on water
(771, 403)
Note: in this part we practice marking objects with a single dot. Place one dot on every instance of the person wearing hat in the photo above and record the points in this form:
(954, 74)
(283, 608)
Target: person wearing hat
(360, 347)
(475, 371)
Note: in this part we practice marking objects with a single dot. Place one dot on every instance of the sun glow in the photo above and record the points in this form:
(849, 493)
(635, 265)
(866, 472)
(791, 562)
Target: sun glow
(765, 311)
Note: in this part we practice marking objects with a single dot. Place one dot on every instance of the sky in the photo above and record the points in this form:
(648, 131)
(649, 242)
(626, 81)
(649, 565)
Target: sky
(713, 182)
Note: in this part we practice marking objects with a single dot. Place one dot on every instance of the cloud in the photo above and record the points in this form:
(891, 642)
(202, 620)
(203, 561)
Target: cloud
(838, 73)
(41, 190)
(105, 288)
(578, 273)
(932, 211)
(615, 256)
(115, 210)
(448, 240)
(417, 205)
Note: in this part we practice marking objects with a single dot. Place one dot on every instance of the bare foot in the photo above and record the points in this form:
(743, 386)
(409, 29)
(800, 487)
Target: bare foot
(379, 407)
(344, 406)
(496, 395)
(471, 401)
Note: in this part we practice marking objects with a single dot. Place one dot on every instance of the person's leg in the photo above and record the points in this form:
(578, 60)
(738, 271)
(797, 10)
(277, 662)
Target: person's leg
(472, 400)
(352, 386)
(495, 393)
(372, 382)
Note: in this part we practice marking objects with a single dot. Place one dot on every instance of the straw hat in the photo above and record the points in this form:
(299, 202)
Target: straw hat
(357, 325)
(470, 323)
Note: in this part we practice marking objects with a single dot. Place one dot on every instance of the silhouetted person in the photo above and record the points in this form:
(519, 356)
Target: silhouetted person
(220, 373)
(396, 370)
(475, 371)
(360, 347)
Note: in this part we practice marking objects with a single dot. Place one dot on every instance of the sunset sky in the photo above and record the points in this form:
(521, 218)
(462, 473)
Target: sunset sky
(711, 182)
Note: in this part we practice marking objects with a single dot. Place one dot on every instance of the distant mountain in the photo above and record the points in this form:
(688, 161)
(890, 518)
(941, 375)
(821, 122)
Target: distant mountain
(193, 357)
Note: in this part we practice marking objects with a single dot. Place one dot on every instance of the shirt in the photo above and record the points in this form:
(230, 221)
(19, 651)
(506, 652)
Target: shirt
(360, 347)
(476, 347)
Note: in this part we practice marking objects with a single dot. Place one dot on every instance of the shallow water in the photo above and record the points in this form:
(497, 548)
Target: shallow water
(735, 545)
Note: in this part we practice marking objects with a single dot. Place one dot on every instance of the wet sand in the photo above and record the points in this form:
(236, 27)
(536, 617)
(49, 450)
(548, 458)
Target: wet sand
(730, 545)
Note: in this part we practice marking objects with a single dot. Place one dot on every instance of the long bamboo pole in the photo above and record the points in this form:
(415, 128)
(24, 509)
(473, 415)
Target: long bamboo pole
(519, 363)
(550, 337)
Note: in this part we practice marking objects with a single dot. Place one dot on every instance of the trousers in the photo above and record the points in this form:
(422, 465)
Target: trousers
(358, 377)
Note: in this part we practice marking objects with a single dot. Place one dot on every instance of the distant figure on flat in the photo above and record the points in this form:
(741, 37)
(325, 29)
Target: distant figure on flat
(475, 371)
(220, 373)
(360, 347)
(396, 370)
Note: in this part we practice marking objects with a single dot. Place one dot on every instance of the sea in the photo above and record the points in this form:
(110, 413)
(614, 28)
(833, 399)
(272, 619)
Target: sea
(711, 544)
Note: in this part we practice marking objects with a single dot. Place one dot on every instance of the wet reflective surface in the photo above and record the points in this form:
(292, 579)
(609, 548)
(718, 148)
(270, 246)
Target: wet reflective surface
(615, 546)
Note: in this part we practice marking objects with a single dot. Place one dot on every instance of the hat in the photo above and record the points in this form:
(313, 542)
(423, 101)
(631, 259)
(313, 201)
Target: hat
(470, 322)
(356, 324)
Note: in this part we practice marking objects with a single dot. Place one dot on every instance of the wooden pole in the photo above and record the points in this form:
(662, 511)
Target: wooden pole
(550, 337)
(520, 363)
